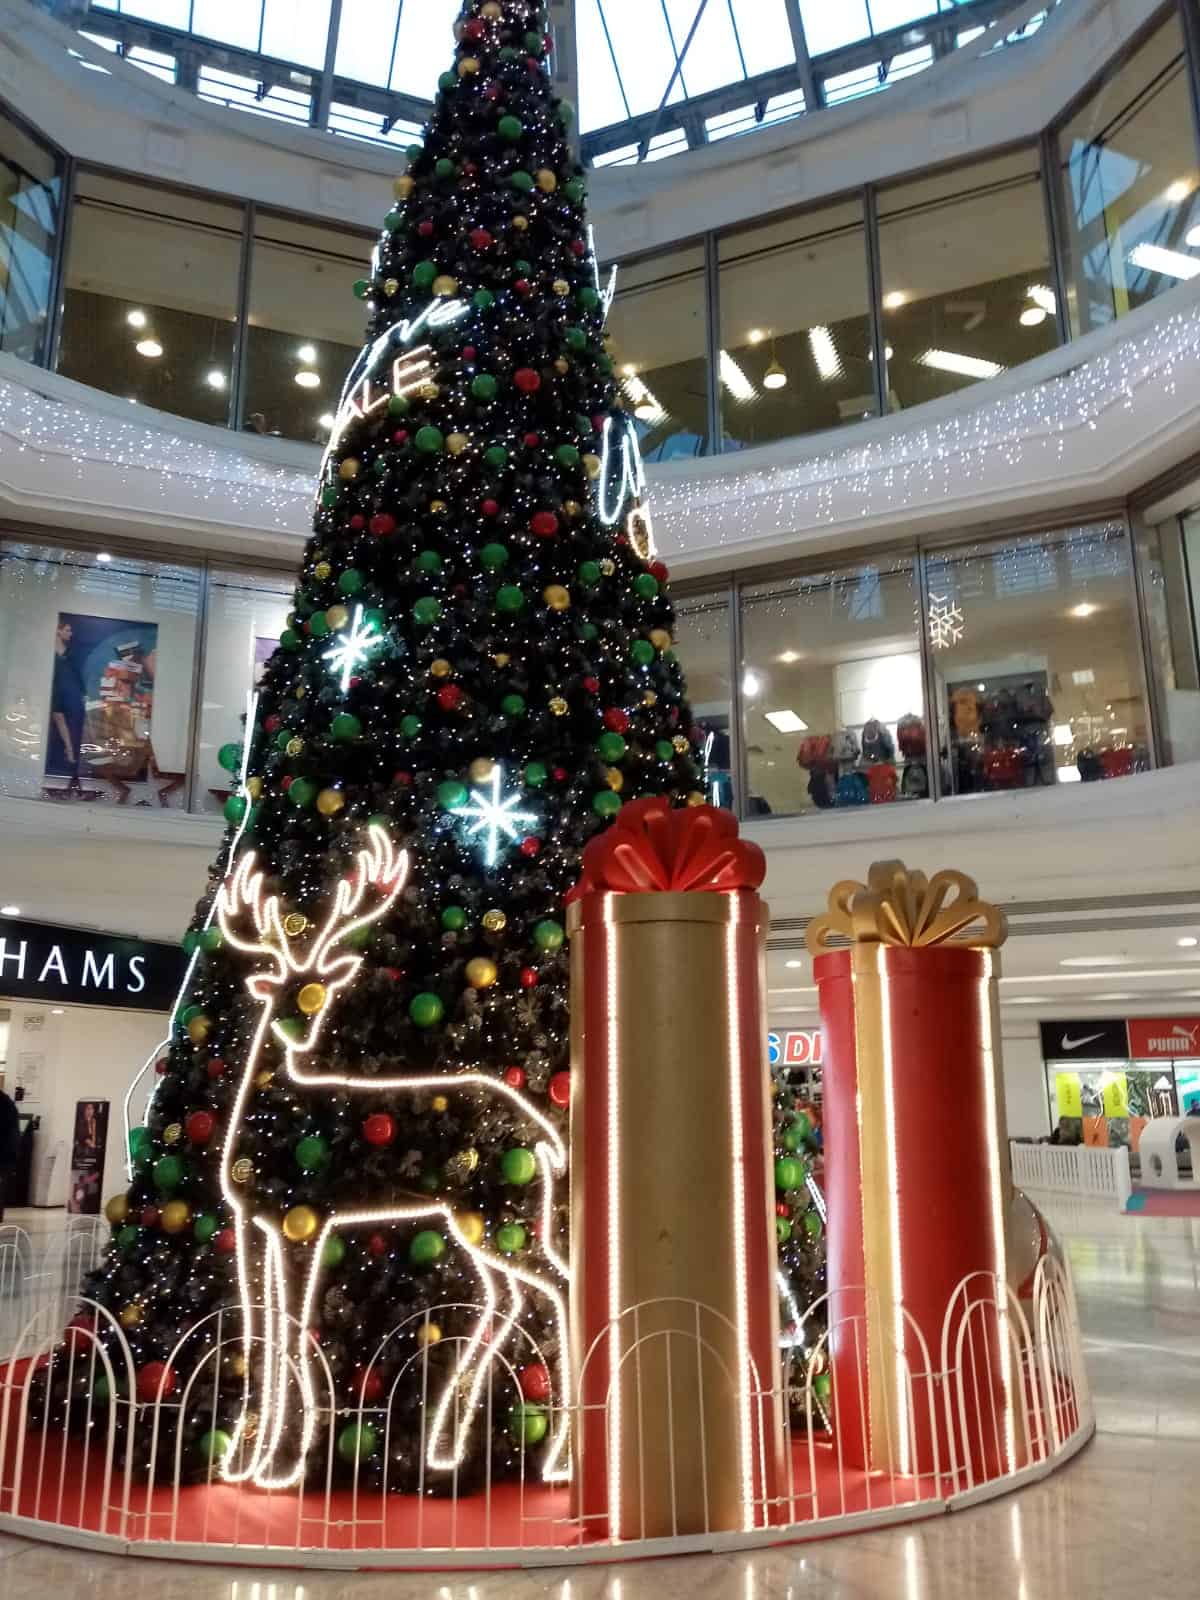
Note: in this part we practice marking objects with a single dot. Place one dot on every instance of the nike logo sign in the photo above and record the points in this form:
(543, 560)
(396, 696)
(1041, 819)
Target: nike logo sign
(1074, 1044)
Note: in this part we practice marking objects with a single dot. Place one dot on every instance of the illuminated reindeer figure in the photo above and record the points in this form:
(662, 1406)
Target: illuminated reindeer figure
(276, 1308)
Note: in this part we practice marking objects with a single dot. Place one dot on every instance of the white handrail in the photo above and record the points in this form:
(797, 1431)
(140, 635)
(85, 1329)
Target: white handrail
(1073, 1169)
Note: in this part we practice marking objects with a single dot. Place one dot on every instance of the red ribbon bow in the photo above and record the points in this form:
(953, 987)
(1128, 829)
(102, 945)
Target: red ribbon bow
(653, 848)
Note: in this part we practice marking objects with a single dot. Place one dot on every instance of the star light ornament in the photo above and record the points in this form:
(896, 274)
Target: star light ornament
(353, 648)
(945, 622)
(491, 817)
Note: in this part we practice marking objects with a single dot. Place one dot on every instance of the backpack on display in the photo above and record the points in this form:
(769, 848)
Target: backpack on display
(845, 746)
(852, 789)
(915, 783)
(910, 736)
(881, 783)
(876, 742)
(814, 751)
(820, 786)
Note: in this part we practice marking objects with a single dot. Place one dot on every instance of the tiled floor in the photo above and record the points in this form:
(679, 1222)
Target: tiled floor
(1118, 1521)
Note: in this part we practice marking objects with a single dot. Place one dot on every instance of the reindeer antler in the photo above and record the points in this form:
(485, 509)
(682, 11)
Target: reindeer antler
(380, 867)
(241, 899)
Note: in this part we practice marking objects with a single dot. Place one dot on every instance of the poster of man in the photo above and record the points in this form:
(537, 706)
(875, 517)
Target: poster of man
(101, 700)
(87, 1158)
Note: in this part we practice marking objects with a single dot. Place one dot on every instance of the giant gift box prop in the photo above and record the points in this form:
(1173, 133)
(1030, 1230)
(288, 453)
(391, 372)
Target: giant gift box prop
(918, 1180)
(673, 1303)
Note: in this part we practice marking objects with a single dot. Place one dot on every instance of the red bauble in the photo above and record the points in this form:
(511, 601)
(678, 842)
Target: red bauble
(527, 380)
(469, 353)
(449, 696)
(400, 436)
(514, 1077)
(535, 1382)
(149, 1217)
(377, 1245)
(528, 977)
(544, 524)
(473, 29)
(78, 1330)
(480, 238)
(382, 523)
(286, 783)
(490, 508)
(394, 973)
(199, 1126)
(598, 423)
(216, 1067)
(161, 1065)
(578, 247)
(379, 1128)
(226, 1241)
(782, 1209)
(659, 570)
(530, 846)
(358, 521)
(371, 1388)
(425, 229)
(156, 1381)
(523, 286)
(559, 774)
(616, 719)
(403, 779)
(272, 723)
(470, 169)
(532, 440)
(592, 685)
(560, 1088)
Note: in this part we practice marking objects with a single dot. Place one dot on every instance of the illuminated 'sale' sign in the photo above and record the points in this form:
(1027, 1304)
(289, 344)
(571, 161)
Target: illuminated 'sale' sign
(71, 966)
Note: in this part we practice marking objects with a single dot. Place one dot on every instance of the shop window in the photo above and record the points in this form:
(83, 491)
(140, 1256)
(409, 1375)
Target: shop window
(30, 201)
(96, 673)
(1169, 565)
(966, 277)
(305, 328)
(1130, 180)
(831, 690)
(657, 332)
(702, 640)
(246, 614)
(151, 296)
(1036, 671)
(795, 351)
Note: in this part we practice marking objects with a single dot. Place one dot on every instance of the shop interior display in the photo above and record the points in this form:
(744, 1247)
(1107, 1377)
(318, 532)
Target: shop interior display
(871, 764)
(476, 674)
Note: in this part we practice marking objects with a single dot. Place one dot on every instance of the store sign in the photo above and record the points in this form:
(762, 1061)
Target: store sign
(69, 966)
(1093, 1039)
(1160, 1038)
(794, 1047)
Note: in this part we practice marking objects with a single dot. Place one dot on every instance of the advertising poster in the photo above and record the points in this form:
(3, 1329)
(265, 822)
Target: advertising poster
(88, 1147)
(101, 699)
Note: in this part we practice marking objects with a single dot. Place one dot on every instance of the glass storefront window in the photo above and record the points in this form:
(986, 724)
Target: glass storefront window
(1168, 561)
(966, 276)
(1035, 655)
(657, 343)
(30, 201)
(246, 614)
(1131, 185)
(151, 295)
(702, 640)
(305, 327)
(831, 689)
(1108, 1104)
(96, 672)
(795, 351)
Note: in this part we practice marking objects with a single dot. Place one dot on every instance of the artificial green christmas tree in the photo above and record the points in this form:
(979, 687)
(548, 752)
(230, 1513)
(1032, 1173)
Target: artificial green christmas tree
(800, 1241)
(360, 1123)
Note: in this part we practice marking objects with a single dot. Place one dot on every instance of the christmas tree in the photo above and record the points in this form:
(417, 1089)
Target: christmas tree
(800, 1238)
(358, 1133)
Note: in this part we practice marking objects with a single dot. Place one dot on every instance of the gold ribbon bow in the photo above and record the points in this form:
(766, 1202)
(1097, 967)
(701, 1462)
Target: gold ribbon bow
(899, 907)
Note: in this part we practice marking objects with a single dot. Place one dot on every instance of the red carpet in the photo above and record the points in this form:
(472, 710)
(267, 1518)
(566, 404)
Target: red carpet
(1163, 1202)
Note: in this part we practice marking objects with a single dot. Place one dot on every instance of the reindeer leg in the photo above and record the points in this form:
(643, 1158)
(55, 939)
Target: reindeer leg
(254, 1273)
(454, 1414)
(286, 1358)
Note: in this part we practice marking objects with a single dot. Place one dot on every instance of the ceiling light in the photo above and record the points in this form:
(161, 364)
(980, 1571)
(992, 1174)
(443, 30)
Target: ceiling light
(136, 319)
(326, 419)
(1033, 316)
(786, 721)
(751, 683)
(57, 1011)
(307, 353)
(792, 965)
(308, 379)
(103, 555)
(1063, 735)
(629, 370)
(788, 656)
(734, 379)
(1113, 994)
(149, 347)
(1096, 961)
(755, 336)
(645, 406)
(1029, 1000)
(215, 379)
(1043, 296)
(1188, 942)
(1157, 258)
(1178, 191)
(894, 299)
(825, 353)
(1083, 677)
(10, 911)
(1085, 608)
(774, 377)
(963, 366)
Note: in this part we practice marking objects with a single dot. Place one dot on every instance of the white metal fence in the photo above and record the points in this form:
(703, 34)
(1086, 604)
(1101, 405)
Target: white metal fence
(1073, 1169)
(88, 1456)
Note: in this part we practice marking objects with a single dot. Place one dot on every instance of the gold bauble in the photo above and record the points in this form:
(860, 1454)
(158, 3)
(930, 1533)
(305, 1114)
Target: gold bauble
(445, 286)
(481, 769)
(660, 638)
(173, 1133)
(572, 507)
(608, 566)
(264, 1079)
(311, 998)
(429, 391)
(439, 1103)
(468, 67)
(390, 286)
(520, 222)
(547, 181)
(482, 972)
(254, 788)
(429, 1333)
(300, 1224)
(403, 186)
(349, 469)
(695, 798)
(492, 11)
(294, 924)
(614, 778)
(130, 1315)
(556, 597)
(117, 1209)
(456, 443)
(649, 698)
(495, 920)
(237, 1365)
(472, 1227)
(198, 1029)
(337, 616)
(558, 706)
(463, 1162)
(562, 365)
(250, 1426)
(437, 505)
(322, 570)
(440, 667)
(242, 1170)
(681, 744)
(561, 288)
(175, 1216)
(330, 802)
(501, 658)
(591, 465)
(301, 691)
(294, 747)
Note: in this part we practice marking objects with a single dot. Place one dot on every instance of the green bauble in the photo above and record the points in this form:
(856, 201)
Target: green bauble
(641, 652)
(345, 726)
(426, 1010)
(234, 808)
(126, 1239)
(496, 455)
(168, 1173)
(426, 1247)
(528, 1423)
(518, 1165)
(333, 1251)
(430, 440)
(318, 625)
(312, 1153)
(646, 585)
(664, 750)
(589, 574)
(522, 182)
(361, 288)
(190, 942)
(392, 221)
(535, 774)
(398, 405)
(548, 935)
(424, 273)
(444, 167)
(823, 1385)
(302, 792)
(289, 639)
(102, 1390)
(352, 580)
(452, 794)
(610, 747)
(588, 631)
(813, 1225)
(292, 1027)
(454, 918)
(510, 129)
(214, 1446)
(141, 1141)
(509, 599)
(605, 803)
(484, 386)
(358, 1441)
(567, 455)
(587, 296)
(576, 338)
(513, 705)
(329, 495)
(410, 726)
(230, 756)
(783, 1229)
(190, 1013)
(204, 1227)
(789, 1173)
(427, 610)
(511, 1237)
(493, 556)
(482, 299)
(212, 938)
(802, 1125)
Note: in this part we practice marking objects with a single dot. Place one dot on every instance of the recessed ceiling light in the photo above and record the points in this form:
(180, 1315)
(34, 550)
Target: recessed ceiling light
(215, 379)
(775, 377)
(136, 319)
(1178, 191)
(10, 911)
(894, 299)
(1188, 942)
(792, 965)
(1096, 961)
(755, 336)
(1084, 609)
(788, 656)
(308, 353)
(1033, 317)
(57, 1011)
(786, 721)
(825, 353)
(1043, 296)
(1029, 1000)
(629, 370)
(734, 379)
(1171, 263)
(326, 419)
(1122, 994)
(962, 366)
(308, 380)
(751, 683)
(149, 347)
(103, 556)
